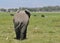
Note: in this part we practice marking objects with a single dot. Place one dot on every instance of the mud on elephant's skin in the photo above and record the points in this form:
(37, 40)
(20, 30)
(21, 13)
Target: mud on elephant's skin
(21, 21)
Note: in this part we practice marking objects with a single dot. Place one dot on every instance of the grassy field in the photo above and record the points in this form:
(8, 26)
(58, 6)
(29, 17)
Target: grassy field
(40, 30)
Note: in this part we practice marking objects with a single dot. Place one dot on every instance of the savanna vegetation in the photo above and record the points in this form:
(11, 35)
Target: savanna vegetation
(41, 29)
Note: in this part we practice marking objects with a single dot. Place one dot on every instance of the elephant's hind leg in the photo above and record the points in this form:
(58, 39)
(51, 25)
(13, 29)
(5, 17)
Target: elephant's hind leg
(23, 33)
(17, 31)
(18, 34)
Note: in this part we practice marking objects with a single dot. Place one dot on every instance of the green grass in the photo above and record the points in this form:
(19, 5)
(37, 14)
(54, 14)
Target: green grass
(40, 30)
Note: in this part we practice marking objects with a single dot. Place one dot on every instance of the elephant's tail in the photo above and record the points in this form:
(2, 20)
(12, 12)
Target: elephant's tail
(20, 25)
(17, 26)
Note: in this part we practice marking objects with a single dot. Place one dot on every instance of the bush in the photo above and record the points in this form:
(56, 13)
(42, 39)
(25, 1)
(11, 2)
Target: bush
(42, 15)
(12, 14)
(34, 15)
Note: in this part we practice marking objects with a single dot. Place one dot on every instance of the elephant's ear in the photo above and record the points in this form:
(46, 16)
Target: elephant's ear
(18, 11)
(27, 12)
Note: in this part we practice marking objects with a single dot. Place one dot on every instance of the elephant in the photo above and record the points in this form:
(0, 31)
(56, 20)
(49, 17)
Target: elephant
(21, 21)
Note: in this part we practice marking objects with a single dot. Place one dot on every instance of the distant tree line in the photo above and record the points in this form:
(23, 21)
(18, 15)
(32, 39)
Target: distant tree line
(47, 8)
(43, 9)
(8, 10)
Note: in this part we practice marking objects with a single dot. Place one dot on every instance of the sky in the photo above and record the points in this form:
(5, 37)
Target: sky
(28, 3)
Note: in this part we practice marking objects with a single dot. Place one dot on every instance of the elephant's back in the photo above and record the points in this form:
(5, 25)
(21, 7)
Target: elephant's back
(21, 17)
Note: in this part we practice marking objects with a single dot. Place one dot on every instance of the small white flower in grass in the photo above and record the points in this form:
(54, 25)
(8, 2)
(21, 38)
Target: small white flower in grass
(36, 28)
(6, 38)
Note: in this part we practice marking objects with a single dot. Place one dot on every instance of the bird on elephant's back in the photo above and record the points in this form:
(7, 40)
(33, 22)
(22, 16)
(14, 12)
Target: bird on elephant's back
(21, 21)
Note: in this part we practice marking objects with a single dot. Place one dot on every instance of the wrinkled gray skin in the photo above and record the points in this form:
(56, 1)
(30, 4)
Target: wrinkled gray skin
(21, 21)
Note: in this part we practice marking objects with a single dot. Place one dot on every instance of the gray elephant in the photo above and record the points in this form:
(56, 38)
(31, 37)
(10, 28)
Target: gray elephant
(21, 21)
